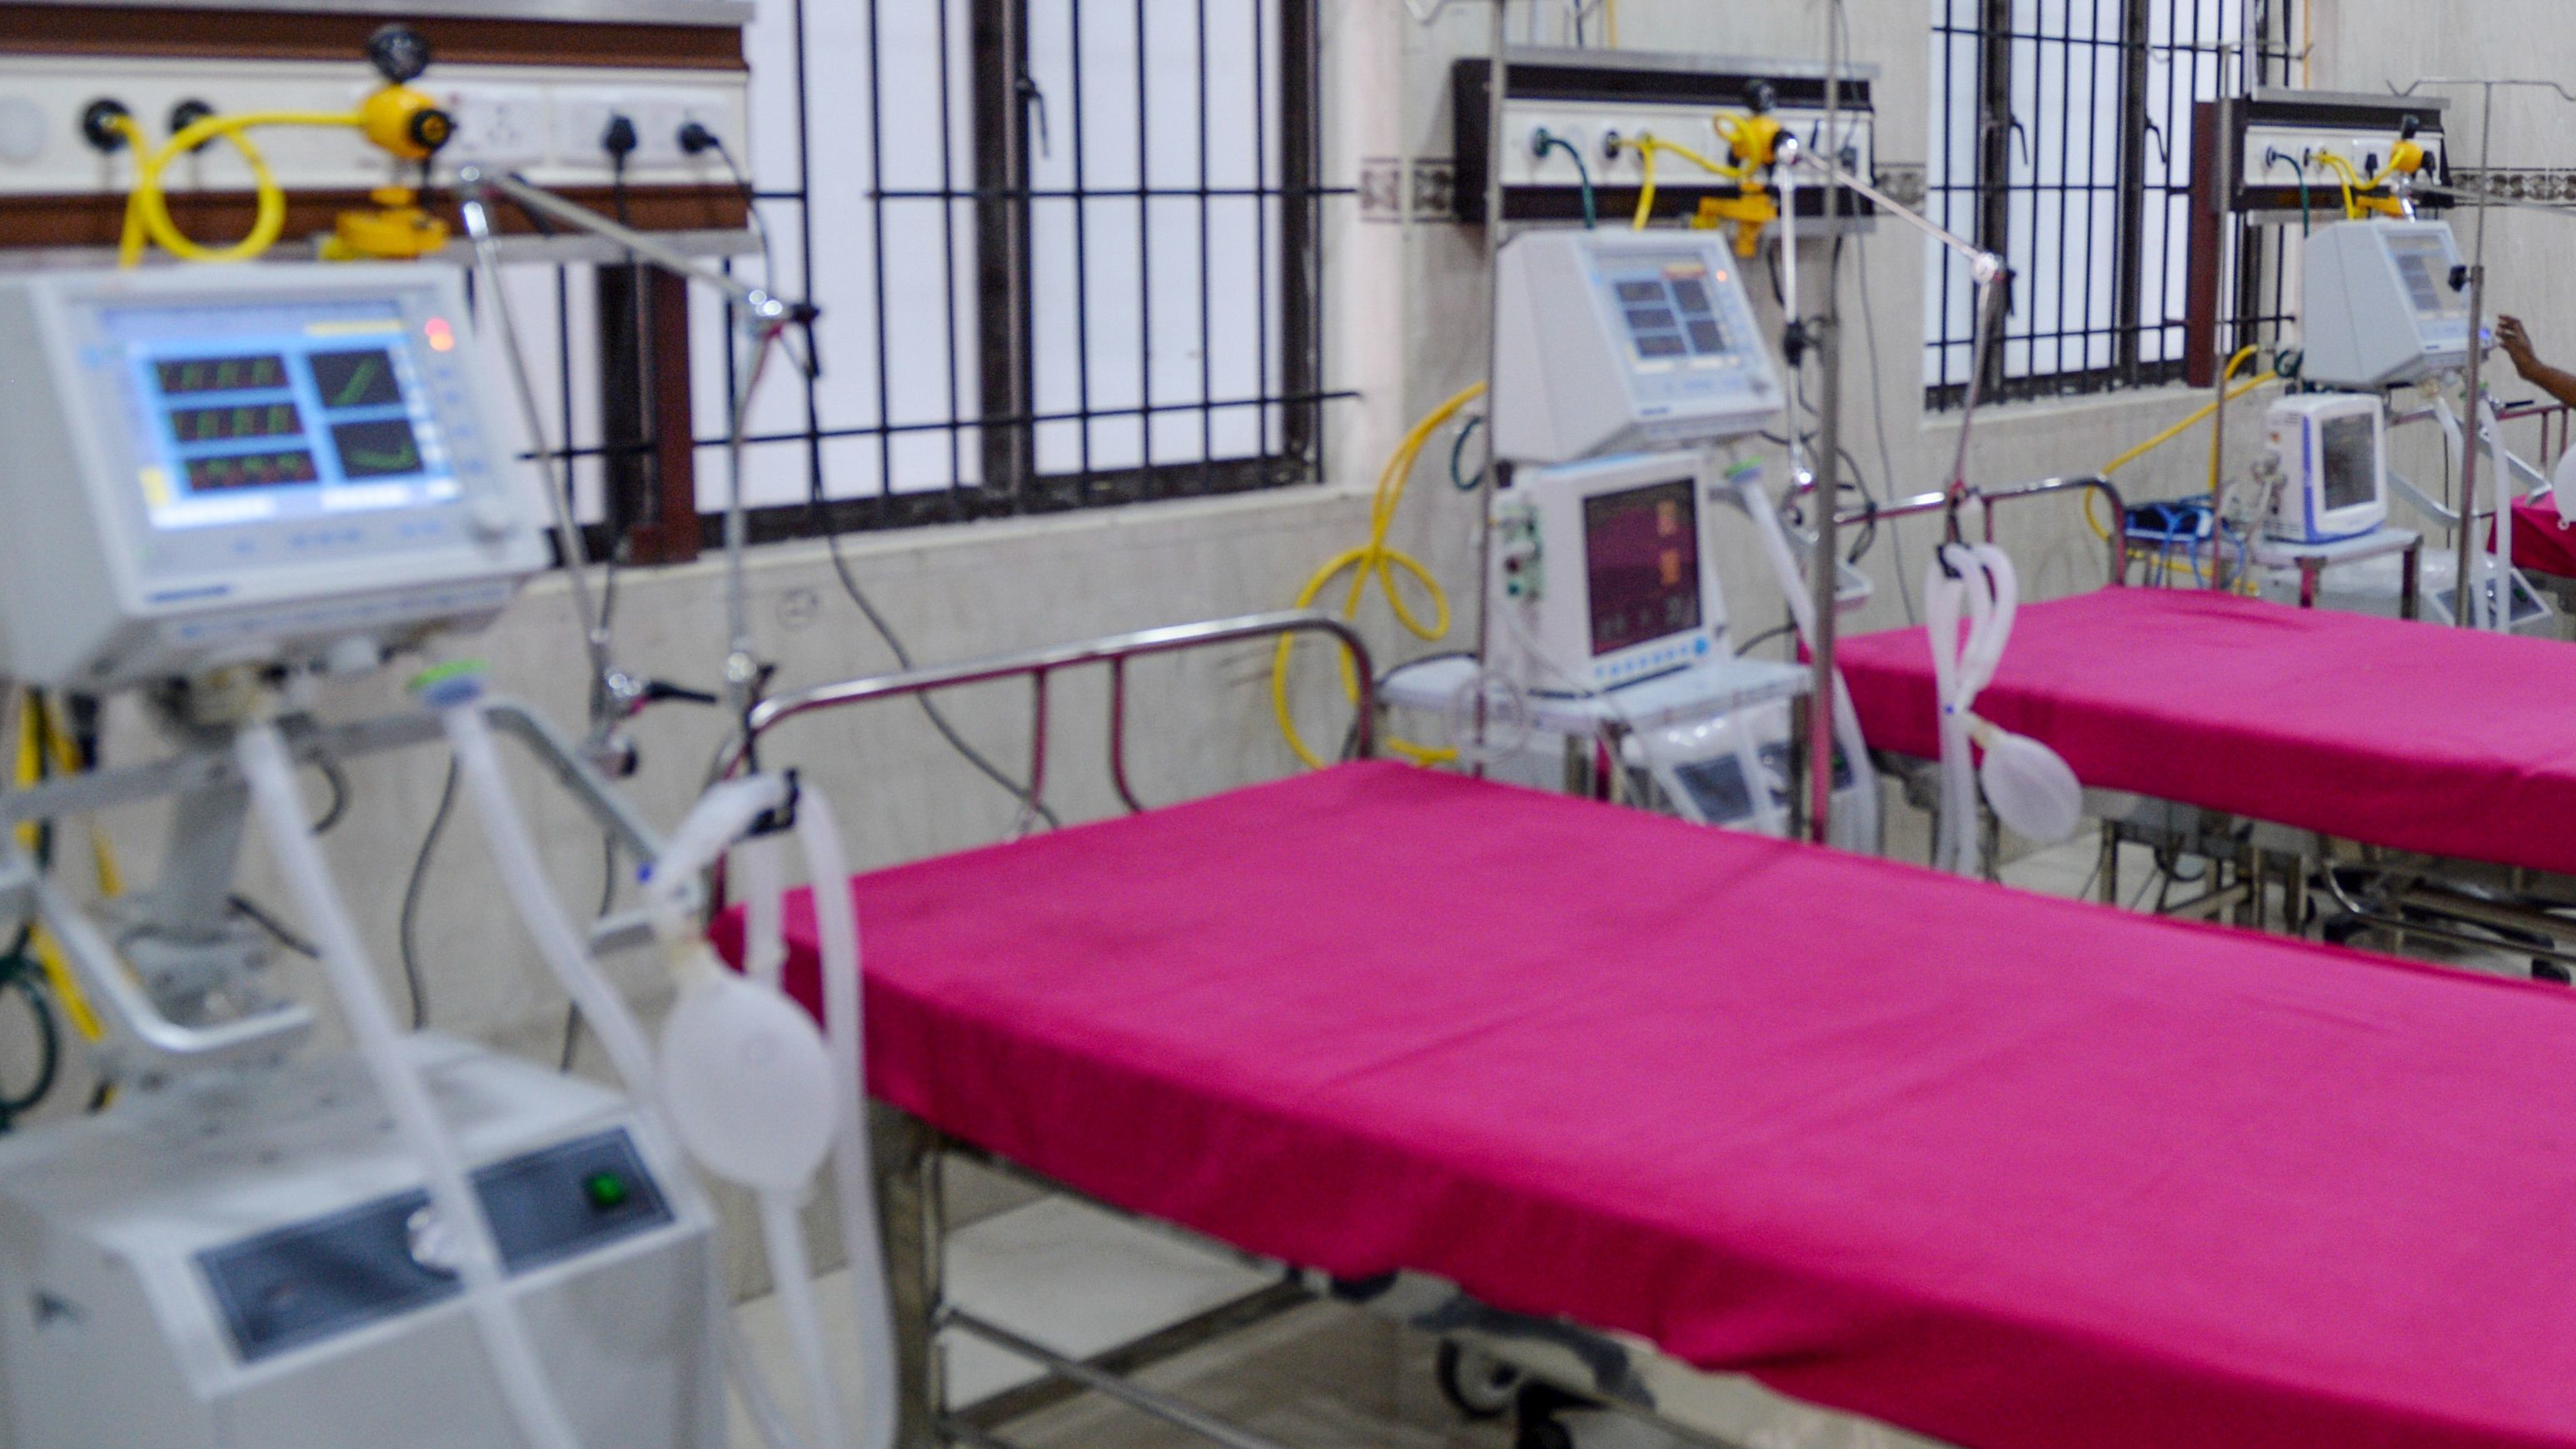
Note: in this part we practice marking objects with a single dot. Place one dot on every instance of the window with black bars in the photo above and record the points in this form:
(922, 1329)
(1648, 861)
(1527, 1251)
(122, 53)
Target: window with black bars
(2061, 139)
(1066, 254)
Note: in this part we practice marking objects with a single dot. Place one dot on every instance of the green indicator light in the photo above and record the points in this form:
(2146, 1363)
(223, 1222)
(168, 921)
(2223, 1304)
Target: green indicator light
(606, 1190)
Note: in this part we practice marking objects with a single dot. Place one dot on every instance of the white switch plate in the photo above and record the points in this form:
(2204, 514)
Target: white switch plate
(512, 116)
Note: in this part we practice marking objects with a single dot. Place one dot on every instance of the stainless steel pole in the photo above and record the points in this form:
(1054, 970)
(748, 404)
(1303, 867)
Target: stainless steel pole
(1821, 573)
(1497, 80)
(2468, 586)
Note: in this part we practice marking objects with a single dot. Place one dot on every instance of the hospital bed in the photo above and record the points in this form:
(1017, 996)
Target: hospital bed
(1639, 1102)
(2425, 775)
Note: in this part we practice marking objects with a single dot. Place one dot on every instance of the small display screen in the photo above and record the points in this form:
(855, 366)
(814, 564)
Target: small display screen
(251, 470)
(1641, 564)
(1669, 306)
(221, 374)
(386, 448)
(2349, 456)
(223, 425)
(264, 410)
(2424, 265)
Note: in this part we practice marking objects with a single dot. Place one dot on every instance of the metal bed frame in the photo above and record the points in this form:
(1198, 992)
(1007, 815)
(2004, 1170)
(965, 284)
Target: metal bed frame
(2458, 903)
(1576, 1366)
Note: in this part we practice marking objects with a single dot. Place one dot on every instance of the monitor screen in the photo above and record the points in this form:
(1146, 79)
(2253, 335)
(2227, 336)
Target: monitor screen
(2424, 265)
(265, 410)
(1669, 308)
(2348, 455)
(1641, 564)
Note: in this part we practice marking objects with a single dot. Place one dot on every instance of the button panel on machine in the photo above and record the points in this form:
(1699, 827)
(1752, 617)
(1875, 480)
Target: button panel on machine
(308, 1283)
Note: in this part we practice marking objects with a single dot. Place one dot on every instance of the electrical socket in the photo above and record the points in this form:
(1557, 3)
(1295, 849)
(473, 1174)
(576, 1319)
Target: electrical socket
(502, 125)
(658, 117)
(581, 119)
(582, 115)
(661, 113)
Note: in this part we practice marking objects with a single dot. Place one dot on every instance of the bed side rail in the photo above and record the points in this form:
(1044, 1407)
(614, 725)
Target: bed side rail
(1939, 501)
(1112, 651)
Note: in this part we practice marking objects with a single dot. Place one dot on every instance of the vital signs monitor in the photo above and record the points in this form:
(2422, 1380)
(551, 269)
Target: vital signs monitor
(2387, 304)
(2331, 450)
(1607, 571)
(1616, 341)
(249, 464)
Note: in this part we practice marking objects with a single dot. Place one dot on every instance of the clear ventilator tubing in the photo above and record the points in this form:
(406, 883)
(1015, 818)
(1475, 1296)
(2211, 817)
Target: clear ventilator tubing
(722, 816)
(1945, 594)
(2502, 569)
(270, 774)
(2030, 786)
(1802, 611)
(760, 865)
(2469, 603)
(559, 943)
(784, 1232)
(854, 1181)
(1768, 816)
(712, 1015)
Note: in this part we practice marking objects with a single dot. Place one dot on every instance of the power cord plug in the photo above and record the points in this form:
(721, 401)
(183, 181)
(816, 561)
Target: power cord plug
(619, 140)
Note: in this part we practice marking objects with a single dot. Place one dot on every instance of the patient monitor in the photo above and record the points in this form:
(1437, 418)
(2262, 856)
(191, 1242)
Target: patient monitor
(2331, 453)
(1606, 572)
(252, 464)
(1614, 341)
(2386, 304)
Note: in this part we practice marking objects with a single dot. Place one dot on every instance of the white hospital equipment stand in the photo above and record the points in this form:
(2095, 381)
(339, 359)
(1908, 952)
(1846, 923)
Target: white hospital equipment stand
(2313, 559)
(236, 1255)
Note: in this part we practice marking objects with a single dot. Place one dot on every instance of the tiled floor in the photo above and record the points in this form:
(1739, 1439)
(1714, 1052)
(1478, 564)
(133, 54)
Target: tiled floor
(1318, 1378)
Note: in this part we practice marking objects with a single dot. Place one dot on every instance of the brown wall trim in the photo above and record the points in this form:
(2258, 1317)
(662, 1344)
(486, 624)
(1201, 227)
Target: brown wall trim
(171, 31)
(216, 218)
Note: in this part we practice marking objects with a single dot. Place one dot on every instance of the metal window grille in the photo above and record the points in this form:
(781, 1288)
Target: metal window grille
(1066, 251)
(2062, 140)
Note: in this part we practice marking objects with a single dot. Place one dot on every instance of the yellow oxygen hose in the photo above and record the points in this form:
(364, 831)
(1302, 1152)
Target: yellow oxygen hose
(147, 207)
(2351, 182)
(2102, 530)
(36, 723)
(1375, 560)
(1647, 146)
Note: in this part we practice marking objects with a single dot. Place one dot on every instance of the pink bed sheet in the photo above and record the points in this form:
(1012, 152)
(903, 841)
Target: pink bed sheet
(2541, 541)
(2405, 735)
(2006, 1170)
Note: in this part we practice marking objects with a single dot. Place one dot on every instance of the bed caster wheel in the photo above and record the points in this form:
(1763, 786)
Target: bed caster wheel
(1478, 1385)
(2552, 971)
(2339, 930)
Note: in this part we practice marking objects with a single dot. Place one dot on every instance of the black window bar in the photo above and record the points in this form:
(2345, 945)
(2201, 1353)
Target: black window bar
(1203, 183)
(2062, 140)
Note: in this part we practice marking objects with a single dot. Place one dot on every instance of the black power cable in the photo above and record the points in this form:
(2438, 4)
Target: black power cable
(277, 930)
(21, 977)
(607, 898)
(407, 931)
(695, 139)
(19, 971)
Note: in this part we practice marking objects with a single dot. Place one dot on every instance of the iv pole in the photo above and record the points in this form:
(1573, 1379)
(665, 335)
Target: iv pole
(1822, 575)
(1990, 275)
(2466, 606)
(763, 319)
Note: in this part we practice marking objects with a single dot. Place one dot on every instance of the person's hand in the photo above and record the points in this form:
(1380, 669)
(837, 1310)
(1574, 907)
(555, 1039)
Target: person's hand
(2515, 339)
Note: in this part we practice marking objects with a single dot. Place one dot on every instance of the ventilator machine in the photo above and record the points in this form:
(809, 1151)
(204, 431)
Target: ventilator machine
(1624, 361)
(227, 489)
